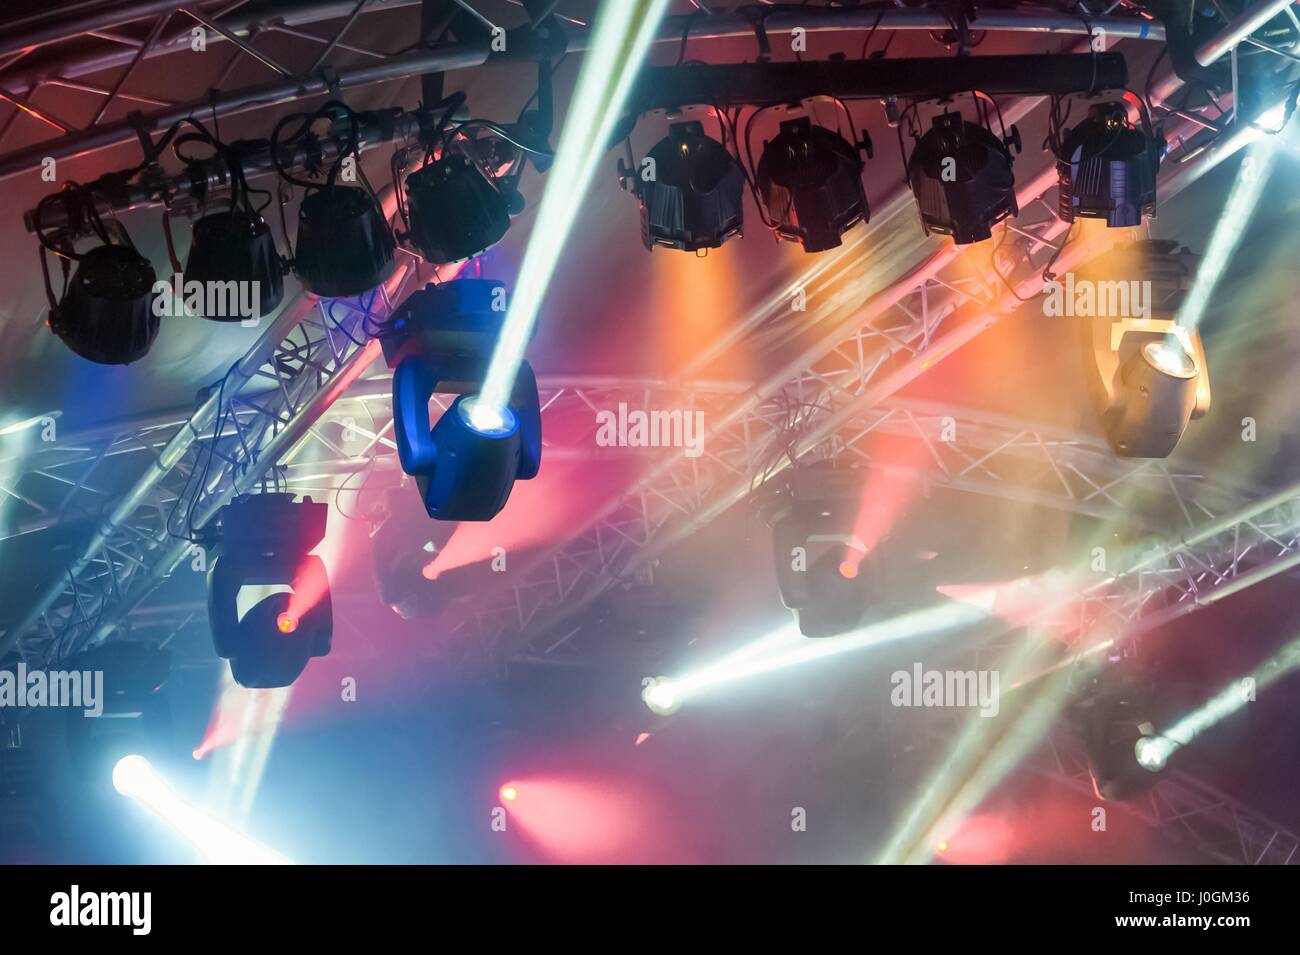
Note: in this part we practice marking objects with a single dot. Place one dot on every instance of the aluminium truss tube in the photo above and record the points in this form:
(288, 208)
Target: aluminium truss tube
(453, 57)
(722, 26)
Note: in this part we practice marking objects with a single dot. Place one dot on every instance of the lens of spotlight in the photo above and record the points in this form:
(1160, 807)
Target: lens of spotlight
(660, 696)
(486, 420)
(509, 793)
(131, 774)
(286, 622)
(1170, 358)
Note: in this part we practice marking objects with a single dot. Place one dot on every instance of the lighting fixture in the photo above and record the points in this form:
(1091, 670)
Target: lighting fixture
(106, 311)
(810, 180)
(454, 212)
(1107, 167)
(268, 597)
(465, 465)
(694, 197)
(960, 173)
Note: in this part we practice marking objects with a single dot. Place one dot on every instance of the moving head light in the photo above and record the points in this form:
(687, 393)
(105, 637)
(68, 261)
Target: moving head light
(467, 463)
(268, 597)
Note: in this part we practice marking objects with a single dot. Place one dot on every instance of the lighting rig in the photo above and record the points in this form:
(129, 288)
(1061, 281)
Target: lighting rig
(440, 340)
(1147, 375)
(823, 570)
(269, 602)
(807, 183)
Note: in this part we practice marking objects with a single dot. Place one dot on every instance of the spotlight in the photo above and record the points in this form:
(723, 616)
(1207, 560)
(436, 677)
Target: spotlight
(1146, 374)
(1107, 167)
(509, 793)
(960, 173)
(695, 198)
(819, 560)
(466, 464)
(236, 246)
(106, 313)
(455, 213)
(268, 597)
(661, 696)
(810, 179)
(135, 717)
(1125, 756)
(344, 245)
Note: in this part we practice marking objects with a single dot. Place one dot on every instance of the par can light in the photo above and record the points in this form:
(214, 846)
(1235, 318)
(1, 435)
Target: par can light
(455, 212)
(695, 197)
(960, 173)
(1107, 167)
(236, 246)
(345, 247)
(106, 311)
(810, 180)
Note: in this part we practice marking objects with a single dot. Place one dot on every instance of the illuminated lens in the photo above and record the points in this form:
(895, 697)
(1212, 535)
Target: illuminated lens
(1171, 359)
(286, 622)
(1151, 753)
(848, 569)
(660, 696)
(509, 793)
(485, 419)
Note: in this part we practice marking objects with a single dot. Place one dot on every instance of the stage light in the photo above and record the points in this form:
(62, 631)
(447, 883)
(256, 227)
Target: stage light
(134, 716)
(620, 40)
(106, 311)
(785, 647)
(1107, 167)
(268, 598)
(695, 198)
(467, 463)
(1146, 373)
(661, 696)
(509, 793)
(1125, 757)
(344, 246)
(818, 557)
(236, 246)
(220, 844)
(810, 178)
(960, 173)
(454, 212)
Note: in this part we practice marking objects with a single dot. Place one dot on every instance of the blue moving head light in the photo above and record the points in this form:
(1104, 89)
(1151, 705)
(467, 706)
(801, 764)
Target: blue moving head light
(467, 463)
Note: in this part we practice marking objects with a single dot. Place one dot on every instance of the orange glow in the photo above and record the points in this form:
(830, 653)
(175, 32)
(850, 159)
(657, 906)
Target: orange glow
(509, 793)
(286, 622)
(848, 569)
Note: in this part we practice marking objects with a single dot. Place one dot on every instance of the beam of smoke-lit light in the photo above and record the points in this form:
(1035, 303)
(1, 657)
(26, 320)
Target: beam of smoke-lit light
(620, 41)
(578, 819)
(1154, 753)
(1252, 179)
(216, 842)
(786, 647)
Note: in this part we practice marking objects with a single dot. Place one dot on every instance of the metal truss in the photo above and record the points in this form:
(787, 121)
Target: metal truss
(230, 445)
(62, 52)
(1185, 809)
